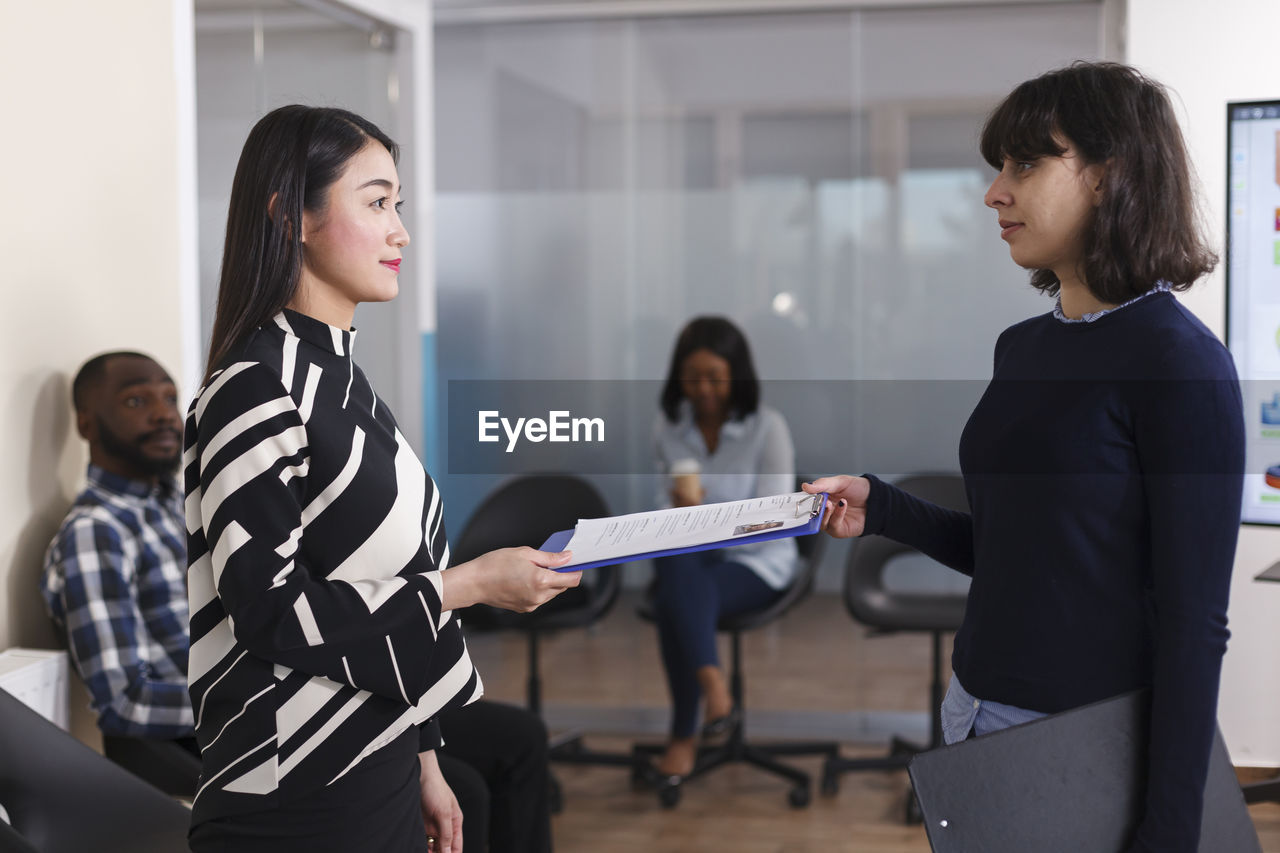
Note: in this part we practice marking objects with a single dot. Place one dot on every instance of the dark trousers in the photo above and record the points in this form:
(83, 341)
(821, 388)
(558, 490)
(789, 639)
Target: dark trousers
(495, 759)
(692, 592)
(473, 798)
(173, 766)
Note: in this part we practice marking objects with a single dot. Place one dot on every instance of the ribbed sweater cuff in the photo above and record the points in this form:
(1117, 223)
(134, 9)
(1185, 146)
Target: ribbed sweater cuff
(877, 505)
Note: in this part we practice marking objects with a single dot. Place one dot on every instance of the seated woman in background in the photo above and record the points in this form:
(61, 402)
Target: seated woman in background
(711, 416)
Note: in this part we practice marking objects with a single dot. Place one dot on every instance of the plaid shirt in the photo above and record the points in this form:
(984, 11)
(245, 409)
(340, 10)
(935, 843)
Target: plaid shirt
(115, 583)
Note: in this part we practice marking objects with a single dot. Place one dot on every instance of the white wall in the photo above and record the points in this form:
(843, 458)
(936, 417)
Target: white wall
(1211, 53)
(90, 247)
(93, 248)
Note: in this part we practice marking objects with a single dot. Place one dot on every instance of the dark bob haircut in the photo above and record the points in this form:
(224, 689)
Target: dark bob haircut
(721, 337)
(1146, 227)
(291, 158)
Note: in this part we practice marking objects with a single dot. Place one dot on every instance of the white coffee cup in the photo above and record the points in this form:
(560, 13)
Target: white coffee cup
(686, 481)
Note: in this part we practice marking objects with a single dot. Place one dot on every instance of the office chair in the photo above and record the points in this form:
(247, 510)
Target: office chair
(525, 511)
(885, 611)
(62, 797)
(736, 748)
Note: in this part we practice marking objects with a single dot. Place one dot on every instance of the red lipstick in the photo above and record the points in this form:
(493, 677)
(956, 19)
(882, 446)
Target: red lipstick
(393, 265)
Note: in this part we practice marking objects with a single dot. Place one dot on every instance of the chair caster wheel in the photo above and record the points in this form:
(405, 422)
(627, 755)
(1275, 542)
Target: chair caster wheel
(798, 796)
(669, 795)
(830, 783)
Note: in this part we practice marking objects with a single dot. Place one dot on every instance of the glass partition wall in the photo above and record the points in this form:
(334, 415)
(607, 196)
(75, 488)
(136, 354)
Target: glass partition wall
(255, 55)
(814, 176)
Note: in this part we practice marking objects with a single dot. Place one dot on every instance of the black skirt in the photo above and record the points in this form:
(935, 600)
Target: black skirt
(374, 807)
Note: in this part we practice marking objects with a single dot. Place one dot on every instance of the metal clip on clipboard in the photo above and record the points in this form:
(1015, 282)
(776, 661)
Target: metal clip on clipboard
(815, 505)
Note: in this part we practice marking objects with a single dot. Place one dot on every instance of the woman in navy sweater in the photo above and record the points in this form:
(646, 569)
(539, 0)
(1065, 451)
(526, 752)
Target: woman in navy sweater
(323, 642)
(1104, 462)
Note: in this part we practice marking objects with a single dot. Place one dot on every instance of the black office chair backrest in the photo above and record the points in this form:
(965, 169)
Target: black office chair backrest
(875, 604)
(62, 797)
(525, 511)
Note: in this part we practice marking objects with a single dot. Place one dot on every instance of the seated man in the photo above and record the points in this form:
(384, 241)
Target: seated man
(115, 573)
(115, 583)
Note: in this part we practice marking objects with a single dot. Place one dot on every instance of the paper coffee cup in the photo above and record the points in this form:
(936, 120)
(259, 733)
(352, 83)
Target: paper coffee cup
(686, 480)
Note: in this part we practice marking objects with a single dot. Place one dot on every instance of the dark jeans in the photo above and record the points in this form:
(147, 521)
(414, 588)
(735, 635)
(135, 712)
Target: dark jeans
(692, 592)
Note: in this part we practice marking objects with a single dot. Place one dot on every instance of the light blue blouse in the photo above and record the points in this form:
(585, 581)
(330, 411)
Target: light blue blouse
(755, 458)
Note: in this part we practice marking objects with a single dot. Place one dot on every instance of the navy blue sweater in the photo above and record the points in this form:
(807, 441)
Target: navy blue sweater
(1103, 467)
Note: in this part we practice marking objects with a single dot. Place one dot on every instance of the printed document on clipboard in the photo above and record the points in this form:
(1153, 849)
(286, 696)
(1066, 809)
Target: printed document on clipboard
(661, 533)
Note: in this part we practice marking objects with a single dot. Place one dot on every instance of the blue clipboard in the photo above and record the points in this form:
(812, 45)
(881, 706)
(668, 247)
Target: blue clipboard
(558, 540)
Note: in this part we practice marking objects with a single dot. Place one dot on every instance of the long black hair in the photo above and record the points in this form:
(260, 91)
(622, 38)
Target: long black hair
(1146, 228)
(291, 158)
(719, 336)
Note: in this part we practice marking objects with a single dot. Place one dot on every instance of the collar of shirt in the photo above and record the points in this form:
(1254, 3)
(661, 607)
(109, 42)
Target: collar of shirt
(313, 331)
(104, 480)
(1161, 286)
(732, 429)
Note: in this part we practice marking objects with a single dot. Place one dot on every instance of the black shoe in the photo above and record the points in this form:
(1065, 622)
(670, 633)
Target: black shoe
(721, 727)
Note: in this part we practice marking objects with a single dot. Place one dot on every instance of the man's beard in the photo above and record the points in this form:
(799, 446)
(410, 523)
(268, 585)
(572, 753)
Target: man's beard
(135, 455)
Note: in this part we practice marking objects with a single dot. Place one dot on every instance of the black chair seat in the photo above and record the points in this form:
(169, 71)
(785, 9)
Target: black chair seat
(747, 621)
(753, 619)
(911, 611)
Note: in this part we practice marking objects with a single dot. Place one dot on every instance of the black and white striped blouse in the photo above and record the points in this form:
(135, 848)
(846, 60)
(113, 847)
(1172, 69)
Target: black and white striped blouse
(314, 540)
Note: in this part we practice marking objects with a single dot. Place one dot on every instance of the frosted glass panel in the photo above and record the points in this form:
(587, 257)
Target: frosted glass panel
(250, 61)
(815, 147)
(813, 176)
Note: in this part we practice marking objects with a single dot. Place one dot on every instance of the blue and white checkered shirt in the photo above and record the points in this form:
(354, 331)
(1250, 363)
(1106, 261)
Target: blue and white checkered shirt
(116, 583)
(1089, 317)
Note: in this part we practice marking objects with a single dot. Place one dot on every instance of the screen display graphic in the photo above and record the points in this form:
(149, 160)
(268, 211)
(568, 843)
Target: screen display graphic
(1253, 294)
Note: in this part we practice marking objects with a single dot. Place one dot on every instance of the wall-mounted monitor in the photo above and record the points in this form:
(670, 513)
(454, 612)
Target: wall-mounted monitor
(1253, 294)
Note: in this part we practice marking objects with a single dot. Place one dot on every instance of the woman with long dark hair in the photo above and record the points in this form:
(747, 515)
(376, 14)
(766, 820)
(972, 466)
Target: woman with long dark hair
(1104, 462)
(713, 421)
(323, 641)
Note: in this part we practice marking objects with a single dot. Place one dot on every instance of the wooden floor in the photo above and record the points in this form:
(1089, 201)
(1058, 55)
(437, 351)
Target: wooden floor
(813, 666)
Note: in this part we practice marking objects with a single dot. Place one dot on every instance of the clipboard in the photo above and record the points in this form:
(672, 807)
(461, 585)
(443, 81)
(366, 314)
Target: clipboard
(558, 540)
(1062, 784)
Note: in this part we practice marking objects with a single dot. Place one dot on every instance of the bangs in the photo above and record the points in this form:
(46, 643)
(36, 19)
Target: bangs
(1023, 127)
